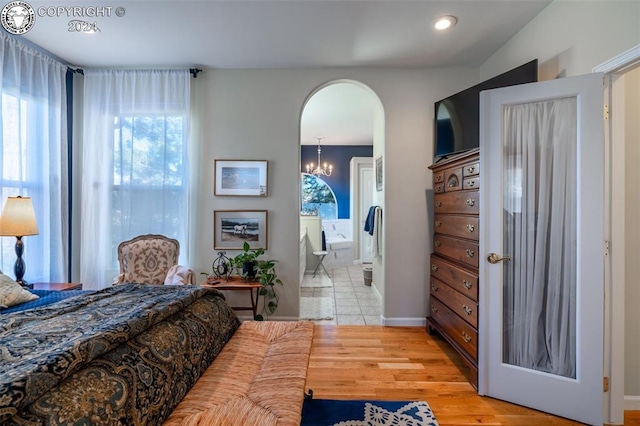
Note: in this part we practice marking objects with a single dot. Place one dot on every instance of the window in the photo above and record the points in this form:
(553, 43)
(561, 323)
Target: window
(135, 162)
(31, 167)
(318, 198)
(148, 176)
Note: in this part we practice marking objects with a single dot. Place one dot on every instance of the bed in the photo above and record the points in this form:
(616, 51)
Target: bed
(124, 355)
(45, 297)
(139, 354)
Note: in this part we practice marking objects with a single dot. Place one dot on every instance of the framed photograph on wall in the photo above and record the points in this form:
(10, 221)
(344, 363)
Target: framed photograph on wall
(379, 173)
(231, 228)
(241, 177)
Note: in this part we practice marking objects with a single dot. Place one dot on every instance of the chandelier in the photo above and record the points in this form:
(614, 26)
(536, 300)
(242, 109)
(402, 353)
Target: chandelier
(324, 170)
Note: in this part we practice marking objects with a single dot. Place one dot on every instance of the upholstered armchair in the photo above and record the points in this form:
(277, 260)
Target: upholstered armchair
(151, 259)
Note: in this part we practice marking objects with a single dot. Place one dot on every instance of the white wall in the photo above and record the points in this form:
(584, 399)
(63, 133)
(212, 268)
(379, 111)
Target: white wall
(255, 114)
(632, 233)
(570, 38)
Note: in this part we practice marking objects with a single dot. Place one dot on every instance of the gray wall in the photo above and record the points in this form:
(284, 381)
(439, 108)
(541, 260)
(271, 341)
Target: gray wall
(255, 114)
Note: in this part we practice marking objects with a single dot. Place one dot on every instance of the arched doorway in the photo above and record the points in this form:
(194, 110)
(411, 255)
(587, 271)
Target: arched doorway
(344, 120)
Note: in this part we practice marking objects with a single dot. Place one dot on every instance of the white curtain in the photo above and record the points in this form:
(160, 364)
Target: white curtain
(540, 207)
(135, 163)
(33, 158)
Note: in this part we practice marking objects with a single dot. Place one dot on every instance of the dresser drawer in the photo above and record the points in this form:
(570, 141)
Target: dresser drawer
(438, 188)
(460, 279)
(457, 226)
(471, 170)
(462, 250)
(464, 202)
(438, 177)
(453, 179)
(463, 334)
(466, 308)
(471, 183)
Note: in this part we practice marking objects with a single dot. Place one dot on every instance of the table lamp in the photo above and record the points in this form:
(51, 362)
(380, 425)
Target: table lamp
(18, 219)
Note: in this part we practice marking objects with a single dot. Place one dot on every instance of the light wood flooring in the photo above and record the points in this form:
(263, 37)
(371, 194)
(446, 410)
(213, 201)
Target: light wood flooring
(406, 363)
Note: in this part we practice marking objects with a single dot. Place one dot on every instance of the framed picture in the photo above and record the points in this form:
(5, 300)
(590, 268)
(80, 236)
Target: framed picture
(231, 228)
(241, 177)
(379, 173)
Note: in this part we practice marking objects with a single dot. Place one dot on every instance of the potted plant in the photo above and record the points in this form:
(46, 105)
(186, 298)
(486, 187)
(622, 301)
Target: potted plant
(251, 267)
(246, 262)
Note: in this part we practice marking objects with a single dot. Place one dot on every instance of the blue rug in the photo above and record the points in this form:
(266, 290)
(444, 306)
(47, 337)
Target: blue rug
(325, 412)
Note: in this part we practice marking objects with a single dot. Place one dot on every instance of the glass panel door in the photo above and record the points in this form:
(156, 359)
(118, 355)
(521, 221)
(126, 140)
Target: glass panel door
(539, 207)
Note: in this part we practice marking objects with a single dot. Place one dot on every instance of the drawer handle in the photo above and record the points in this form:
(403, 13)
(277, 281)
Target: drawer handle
(452, 184)
(434, 287)
(434, 268)
(434, 309)
(438, 224)
(471, 202)
(467, 284)
(467, 310)
(439, 178)
(466, 337)
(471, 228)
(439, 203)
(470, 169)
(470, 253)
(472, 183)
(438, 243)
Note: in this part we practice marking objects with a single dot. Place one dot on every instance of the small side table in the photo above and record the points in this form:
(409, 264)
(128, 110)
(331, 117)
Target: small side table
(238, 283)
(57, 286)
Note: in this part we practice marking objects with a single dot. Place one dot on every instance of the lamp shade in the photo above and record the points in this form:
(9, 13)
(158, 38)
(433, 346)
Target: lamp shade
(18, 217)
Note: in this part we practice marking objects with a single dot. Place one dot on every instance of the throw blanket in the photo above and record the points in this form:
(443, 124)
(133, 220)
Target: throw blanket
(124, 355)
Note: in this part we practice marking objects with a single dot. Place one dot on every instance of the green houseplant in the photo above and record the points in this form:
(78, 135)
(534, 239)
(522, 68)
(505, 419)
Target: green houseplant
(250, 266)
(246, 262)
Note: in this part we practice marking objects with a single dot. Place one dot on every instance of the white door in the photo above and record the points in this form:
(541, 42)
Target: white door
(542, 198)
(367, 186)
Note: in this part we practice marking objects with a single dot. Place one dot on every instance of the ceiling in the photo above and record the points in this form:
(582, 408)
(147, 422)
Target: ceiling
(282, 34)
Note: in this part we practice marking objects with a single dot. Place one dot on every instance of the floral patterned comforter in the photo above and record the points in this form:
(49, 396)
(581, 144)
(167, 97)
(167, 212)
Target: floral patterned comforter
(125, 355)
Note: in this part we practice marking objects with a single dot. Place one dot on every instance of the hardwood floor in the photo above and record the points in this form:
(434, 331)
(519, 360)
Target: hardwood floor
(406, 363)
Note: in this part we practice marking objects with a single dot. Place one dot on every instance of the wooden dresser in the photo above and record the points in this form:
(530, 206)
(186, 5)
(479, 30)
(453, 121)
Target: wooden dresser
(453, 310)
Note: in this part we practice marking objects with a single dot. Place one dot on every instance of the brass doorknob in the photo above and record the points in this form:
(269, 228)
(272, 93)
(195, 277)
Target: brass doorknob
(495, 258)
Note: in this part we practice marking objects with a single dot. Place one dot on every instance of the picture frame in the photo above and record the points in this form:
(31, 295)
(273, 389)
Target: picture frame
(241, 178)
(379, 173)
(232, 228)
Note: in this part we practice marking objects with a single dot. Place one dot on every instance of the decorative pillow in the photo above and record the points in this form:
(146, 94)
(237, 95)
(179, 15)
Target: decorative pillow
(12, 293)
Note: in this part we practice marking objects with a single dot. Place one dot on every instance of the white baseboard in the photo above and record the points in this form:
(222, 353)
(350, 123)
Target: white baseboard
(404, 322)
(631, 403)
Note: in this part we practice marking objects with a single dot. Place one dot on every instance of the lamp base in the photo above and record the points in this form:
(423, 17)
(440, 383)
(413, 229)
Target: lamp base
(19, 267)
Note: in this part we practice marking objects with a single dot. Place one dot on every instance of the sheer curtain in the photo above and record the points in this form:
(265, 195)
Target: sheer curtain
(540, 205)
(33, 156)
(135, 164)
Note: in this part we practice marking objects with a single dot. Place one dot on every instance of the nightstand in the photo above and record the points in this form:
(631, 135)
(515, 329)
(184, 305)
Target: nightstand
(235, 283)
(57, 286)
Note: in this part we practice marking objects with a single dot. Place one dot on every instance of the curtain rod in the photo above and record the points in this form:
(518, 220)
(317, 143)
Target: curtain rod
(194, 71)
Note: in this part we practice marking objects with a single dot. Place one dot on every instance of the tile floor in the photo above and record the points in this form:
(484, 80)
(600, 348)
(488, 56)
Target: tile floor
(353, 302)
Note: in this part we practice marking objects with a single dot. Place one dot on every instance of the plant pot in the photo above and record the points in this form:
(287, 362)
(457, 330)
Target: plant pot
(249, 269)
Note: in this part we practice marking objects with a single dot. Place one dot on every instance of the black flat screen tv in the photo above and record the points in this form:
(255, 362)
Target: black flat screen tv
(457, 118)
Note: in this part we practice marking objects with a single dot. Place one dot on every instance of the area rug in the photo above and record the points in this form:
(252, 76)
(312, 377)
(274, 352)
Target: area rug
(326, 412)
(316, 308)
(320, 280)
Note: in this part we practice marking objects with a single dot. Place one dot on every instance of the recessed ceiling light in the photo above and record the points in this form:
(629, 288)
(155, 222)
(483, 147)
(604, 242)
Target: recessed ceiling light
(445, 22)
